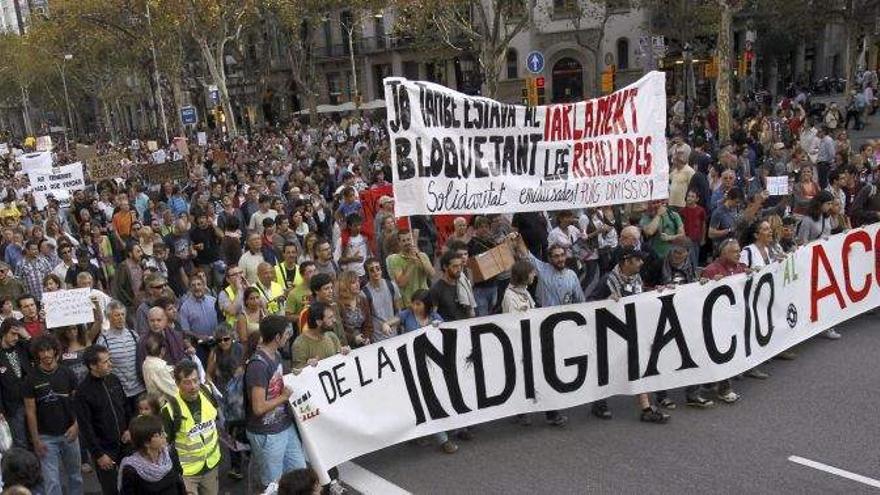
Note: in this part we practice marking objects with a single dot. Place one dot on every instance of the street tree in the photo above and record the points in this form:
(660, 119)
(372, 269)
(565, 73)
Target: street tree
(484, 28)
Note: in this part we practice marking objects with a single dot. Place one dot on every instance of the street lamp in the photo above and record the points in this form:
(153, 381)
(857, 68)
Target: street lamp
(686, 54)
(67, 57)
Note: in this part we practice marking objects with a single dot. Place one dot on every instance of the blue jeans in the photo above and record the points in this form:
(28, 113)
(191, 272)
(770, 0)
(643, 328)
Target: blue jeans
(62, 459)
(486, 298)
(275, 454)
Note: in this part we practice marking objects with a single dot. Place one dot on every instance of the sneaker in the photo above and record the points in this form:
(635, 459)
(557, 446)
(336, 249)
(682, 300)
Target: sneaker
(831, 334)
(449, 447)
(335, 488)
(465, 434)
(653, 415)
(601, 412)
(699, 402)
(667, 403)
(560, 420)
(757, 374)
(786, 355)
(728, 397)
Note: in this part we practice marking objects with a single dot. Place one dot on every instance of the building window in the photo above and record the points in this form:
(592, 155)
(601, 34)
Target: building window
(379, 28)
(334, 88)
(561, 7)
(380, 72)
(512, 64)
(411, 70)
(623, 54)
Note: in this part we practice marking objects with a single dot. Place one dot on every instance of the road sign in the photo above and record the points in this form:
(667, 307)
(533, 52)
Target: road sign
(214, 94)
(189, 115)
(535, 62)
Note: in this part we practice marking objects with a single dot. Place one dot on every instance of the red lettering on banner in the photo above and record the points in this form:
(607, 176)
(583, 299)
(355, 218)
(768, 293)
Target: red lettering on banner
(566, 122)
(588, 119)
(648, 158)
(817, 294)
(632, 105)
(860, 237)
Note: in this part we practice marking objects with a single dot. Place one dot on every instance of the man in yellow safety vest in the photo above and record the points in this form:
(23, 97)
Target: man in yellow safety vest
(191, 426)
(271, 291)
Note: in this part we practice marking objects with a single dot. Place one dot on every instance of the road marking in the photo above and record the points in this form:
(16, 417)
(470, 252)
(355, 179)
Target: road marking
(835, 471)
(367, 482)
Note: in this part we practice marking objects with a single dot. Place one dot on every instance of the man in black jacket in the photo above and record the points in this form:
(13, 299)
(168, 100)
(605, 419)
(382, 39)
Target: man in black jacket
(15, 365)
(103, 416)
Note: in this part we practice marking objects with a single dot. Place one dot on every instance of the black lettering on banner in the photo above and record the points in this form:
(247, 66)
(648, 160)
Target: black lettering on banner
(329, 380)
(411, 388)
(424, 350)
(400, 101)
(406, 169)
(384, 360)
(747, 329)
(528, 364)
(715, 355)
(357, 363)
(764, 339)
(628, 330)
(548, 353)
(477, 332)
(668, 317)
(339, 379)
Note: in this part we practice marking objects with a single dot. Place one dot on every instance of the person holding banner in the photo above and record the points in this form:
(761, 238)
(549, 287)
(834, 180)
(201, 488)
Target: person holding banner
(624, 280)
(517, 299)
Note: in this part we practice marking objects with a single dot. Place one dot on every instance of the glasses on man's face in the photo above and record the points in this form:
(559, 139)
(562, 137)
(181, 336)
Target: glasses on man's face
(226, 339)
(375, 268)
(159, 286)
(235, 274)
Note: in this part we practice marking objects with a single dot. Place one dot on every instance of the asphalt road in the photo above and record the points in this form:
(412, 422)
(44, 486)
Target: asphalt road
(822, 406)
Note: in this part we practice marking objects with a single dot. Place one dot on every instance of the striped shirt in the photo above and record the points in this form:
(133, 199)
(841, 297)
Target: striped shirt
(122, 347)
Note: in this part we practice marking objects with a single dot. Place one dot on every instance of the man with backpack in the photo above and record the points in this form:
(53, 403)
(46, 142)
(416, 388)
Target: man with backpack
(384, 298)
(191, 426)
(275, 443)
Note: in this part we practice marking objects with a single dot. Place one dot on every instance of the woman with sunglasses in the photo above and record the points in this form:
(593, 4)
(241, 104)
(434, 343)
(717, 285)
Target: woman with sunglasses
(225, 369)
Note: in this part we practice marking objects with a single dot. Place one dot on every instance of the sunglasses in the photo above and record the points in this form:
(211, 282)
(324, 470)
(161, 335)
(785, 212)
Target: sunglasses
(225, 339)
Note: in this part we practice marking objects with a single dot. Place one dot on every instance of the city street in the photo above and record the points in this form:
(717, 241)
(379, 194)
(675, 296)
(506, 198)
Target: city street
(820, 407)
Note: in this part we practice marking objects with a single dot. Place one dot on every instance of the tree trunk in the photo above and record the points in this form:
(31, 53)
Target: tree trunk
(109, 127)
(218, 77)
(723, 86)
(26, 112)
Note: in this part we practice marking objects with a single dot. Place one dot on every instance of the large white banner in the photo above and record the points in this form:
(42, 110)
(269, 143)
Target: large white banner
(60, 182)
(452, 153)
(473, 371)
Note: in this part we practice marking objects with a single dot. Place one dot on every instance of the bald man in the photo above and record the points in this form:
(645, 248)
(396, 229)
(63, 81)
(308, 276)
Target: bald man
(175, 350)
(250, 260)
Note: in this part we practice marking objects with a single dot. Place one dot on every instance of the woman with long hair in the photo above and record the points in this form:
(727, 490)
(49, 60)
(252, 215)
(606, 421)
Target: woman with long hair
(252, 312)
(52, 282)
(309, 243)
(816, 223)
(805, 190)
(758, 241)
(354, 309)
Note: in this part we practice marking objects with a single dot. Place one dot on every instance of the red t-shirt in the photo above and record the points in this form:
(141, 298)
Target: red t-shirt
(719, 267)
(694, 218)
(35, 328)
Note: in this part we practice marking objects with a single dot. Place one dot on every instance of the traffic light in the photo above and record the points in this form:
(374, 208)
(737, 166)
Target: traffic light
(532, 91)
(607, 81)
(540, 83)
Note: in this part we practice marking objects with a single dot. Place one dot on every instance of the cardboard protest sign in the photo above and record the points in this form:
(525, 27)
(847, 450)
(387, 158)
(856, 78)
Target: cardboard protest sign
(168, 171)
(58, 182)
(40, 161)
(181, 145)
(482, 369)
(4, 149)
(68, 307)
(85, 153)
(152, 145)
(105, 166)
(44, 143)
(453, 153)
(159, 157)
(202, 138)
(777, 186)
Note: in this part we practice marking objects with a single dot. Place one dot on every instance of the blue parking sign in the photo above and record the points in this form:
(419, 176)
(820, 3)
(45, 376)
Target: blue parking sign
(535, 62)
(188, 115)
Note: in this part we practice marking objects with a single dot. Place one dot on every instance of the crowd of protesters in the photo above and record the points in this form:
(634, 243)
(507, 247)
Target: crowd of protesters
(283, 249)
